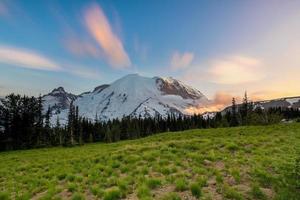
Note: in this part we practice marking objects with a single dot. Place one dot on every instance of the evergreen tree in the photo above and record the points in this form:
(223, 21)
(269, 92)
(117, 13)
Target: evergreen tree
(47, 129)
(39, 124)
(69, 138)
(234, 115)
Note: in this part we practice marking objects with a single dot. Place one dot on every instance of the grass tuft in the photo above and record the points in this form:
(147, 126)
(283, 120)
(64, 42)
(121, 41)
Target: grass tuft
(112, 194)
(195, 189)
(181, 185)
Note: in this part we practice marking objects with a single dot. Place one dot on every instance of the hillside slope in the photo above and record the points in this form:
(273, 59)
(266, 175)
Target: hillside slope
(230, 163)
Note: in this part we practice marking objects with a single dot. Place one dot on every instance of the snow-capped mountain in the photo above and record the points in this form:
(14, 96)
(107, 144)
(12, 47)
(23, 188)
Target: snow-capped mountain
(288, 102)
(58, 100)
(132, 95)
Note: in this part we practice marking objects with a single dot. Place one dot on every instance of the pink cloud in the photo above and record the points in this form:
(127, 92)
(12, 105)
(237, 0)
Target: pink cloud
(235, 70)
(181, 61)
(220, 101)
(26, 59)
(230, 70)
(99, 27)
(82, 48)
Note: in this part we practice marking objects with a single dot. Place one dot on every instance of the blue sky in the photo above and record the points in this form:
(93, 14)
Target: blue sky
(220, 47)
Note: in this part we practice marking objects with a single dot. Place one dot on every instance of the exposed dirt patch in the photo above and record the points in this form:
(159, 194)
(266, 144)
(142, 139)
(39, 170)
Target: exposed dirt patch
(65, 194)
(89, 195)
(187, 195)
(207, 162)
(39, 195)
(230, 180)
(160, 192)
(211, 189)
(268, 192)
(219, 165)
(243, 188)
(131, 197)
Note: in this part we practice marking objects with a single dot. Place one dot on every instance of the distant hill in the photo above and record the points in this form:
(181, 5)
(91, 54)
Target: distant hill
(286, 102)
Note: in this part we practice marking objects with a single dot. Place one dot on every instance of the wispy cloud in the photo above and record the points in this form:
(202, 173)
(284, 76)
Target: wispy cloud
(82, 71)
(235, 70)
(181, 61)
(141, 49)
(99, 27)
(81, 47)
(4, 11)
(26, 59)
(230, 70)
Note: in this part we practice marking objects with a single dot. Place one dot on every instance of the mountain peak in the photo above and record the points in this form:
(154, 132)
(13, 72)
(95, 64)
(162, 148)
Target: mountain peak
(131, 95)
(58, 90)
(58, 100)
(130, 77)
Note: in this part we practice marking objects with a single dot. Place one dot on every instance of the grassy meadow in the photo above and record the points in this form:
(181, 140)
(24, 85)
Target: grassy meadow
(256, 162)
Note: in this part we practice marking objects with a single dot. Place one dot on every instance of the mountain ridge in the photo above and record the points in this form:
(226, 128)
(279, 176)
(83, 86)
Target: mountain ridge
(283, 102)
(132, 95)
(137, 96)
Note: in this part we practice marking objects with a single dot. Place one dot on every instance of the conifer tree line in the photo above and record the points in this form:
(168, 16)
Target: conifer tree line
(25, 125)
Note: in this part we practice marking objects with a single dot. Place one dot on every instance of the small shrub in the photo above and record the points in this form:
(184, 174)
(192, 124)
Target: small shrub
(79, 178)
(72, 187)
(165, 171)
(171, 196)
(236, 175)
(297, 172)
(124, 169)
(181, 185)
(219, 178)
(196, 190)
(96, 191)
(231, 193)
(71, 177)
(115, 165)
(112, 194)
(144, 170)
(143, 192)
(257, 193)
(77, 196)
(202, 181)
(61, 176)
(4, 196)
(264, 178)
(153, 183)
(232, 147)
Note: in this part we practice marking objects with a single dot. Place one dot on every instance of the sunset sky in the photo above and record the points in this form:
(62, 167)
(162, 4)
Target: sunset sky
(220, 47)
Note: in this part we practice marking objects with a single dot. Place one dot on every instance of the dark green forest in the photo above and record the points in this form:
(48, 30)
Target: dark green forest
(25, 125)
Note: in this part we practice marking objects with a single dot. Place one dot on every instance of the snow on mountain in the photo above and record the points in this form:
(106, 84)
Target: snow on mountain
(133, 95)
(58, 100)
(287, 102)
(209, 115)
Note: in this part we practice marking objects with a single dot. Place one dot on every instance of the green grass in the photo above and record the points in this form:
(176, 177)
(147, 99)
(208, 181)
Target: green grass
(256, 162)
(195, 189)
(181, 184)
(112, 194)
